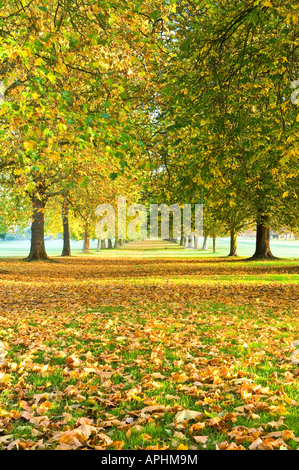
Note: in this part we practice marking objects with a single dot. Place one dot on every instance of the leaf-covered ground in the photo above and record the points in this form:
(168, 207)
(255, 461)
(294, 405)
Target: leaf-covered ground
(138, 353)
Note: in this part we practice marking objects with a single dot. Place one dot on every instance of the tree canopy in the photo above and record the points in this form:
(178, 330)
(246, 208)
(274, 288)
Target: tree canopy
(190, 98)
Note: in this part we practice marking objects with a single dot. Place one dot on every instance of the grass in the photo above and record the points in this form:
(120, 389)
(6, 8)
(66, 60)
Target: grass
(125, 346)
(196, 340)
(157, 248)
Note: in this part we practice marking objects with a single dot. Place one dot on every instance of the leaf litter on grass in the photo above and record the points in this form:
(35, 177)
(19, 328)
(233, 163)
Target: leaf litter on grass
(170, 369)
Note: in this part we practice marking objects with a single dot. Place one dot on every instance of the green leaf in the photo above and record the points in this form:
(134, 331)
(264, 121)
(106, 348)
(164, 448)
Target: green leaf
(106, 116)
(73, 42)
(42, 8)
(123, 163)
(66, 96)
(155, 14)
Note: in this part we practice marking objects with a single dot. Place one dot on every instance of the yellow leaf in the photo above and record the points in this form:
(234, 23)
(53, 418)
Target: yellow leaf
(182, 447)
(31, 144)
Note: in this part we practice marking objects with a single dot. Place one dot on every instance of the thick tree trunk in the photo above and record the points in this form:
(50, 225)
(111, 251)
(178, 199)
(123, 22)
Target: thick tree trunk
(182, 241)
(86, 240)
(189, 242)
(66, 250)
(110, 243)
(214, 244)
(205, 243)
(103, 244)
(233, 243)
(262, 248)
(37, 249)
(195, 243)
(99, 244)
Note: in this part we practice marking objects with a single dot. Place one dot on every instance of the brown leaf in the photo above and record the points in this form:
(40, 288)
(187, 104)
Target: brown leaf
(255, 444)
(186, 415)
(201, 439)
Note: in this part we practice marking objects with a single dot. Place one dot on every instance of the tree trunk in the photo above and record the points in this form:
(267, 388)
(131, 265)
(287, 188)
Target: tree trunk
(233, 243)
(110, 243)
(99, 244)
(37, 249)
(214, 244)
(195, 243)
(66, 250)
(86, 240)
(182, 241)
(103, 244)
(262, 248)
(205, 243)
(189, 242)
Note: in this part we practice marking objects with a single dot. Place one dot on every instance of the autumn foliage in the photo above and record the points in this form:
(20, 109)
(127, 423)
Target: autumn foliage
(126, 353)
(163, 102)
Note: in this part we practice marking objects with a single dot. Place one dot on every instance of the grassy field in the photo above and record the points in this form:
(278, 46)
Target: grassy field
(149, 347)
(280, 248)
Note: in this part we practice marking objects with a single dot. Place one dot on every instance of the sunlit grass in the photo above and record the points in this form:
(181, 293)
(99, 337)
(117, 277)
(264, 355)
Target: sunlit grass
(97, 340)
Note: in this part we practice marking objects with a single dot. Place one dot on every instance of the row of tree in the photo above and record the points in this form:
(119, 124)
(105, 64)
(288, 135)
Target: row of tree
(226, 131)
(163, 101)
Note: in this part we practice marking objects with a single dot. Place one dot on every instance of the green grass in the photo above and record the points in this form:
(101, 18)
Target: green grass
(139, 249)
(197, 334)
(115, 356)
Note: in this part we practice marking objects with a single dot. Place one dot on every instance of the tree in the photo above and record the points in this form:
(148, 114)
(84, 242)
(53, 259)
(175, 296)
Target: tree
(225, 104)
(67, 71)
(66, 250)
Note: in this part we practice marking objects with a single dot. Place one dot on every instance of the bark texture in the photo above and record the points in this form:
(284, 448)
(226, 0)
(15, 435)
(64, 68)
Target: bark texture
(37, 248)
(205, 243)
(233, 243)
(86, 241)
(66, 250)
(262, 248)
